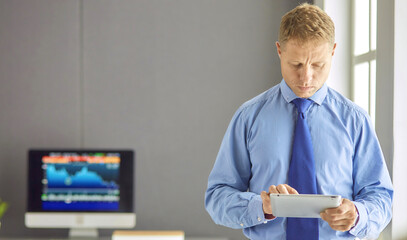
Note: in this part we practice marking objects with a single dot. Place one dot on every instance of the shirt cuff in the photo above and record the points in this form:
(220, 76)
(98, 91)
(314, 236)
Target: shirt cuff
(361, 219)
(356, 218)
(255, 210)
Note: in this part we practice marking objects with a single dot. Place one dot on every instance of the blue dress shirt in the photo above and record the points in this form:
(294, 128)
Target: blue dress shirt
(256, 150)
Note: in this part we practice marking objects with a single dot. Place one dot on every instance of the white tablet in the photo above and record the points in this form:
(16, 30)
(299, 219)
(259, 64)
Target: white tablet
(302, 205)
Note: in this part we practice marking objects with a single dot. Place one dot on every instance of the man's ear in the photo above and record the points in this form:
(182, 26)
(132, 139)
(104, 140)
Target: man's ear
(333, 49)
(278, 49)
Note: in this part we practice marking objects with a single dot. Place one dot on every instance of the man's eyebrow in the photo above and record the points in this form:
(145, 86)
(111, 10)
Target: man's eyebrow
(298, 61)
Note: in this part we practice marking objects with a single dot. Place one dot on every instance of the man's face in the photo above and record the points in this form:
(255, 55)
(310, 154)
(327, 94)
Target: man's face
(305, 68)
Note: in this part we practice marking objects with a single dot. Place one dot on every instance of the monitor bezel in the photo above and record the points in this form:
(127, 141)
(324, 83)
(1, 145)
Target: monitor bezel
(126, 179)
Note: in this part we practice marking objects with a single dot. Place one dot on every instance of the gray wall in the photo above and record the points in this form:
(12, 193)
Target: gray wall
(161, 77)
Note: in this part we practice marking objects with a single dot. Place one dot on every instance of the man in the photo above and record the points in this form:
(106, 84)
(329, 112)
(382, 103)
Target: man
(255, 154)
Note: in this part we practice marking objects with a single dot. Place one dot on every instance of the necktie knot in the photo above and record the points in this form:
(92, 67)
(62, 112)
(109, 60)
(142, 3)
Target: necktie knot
(302, 105)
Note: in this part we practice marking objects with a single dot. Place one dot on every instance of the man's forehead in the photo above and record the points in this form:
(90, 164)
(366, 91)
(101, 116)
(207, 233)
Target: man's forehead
(298, 43)
(318, 49)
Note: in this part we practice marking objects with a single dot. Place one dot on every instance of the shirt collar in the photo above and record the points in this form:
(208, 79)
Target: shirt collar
(289, 95)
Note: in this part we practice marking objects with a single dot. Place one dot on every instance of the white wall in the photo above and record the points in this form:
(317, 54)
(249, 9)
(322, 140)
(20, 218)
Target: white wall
(340, 76)
(400, 121)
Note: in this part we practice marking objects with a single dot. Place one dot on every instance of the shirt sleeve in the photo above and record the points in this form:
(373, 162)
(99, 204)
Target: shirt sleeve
(373, 190)
(227, 198)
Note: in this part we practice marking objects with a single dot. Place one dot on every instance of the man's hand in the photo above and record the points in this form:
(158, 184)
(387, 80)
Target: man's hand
(265, 196)
(341, 218)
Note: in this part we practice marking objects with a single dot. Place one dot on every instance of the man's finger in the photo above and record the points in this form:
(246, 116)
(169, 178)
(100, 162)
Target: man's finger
(290, 189)
(265, 197)
(346, 208)
(343, 226)
(341, 218)
(282, 189)
(273, 189)
(336, 217)
(342, 222)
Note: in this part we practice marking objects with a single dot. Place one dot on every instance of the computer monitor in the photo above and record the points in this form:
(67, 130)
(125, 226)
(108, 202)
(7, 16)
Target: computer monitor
(80, 189)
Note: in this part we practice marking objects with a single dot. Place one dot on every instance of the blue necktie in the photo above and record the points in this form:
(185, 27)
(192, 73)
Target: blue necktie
(301, 174)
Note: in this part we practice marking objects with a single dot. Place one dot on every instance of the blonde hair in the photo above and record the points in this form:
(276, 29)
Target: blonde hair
(306, 23)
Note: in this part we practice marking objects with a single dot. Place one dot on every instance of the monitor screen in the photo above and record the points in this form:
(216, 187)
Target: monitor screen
(76, 182)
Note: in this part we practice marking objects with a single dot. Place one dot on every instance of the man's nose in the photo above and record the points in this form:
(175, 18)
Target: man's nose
(306, 74)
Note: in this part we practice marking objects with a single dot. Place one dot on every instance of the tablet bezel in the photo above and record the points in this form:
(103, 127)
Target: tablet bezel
(302, 205)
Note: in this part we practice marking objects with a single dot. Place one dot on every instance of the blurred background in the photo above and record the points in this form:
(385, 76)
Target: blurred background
(164, 78)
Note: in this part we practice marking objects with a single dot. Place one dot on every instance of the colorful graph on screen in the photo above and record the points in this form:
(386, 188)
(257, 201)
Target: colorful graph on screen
(85, 182)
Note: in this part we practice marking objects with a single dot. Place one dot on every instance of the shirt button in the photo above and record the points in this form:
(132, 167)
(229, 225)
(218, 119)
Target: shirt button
(241, 224)
(259, 219)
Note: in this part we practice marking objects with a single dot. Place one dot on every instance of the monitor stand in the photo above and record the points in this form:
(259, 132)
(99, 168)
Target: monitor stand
(83, 233)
